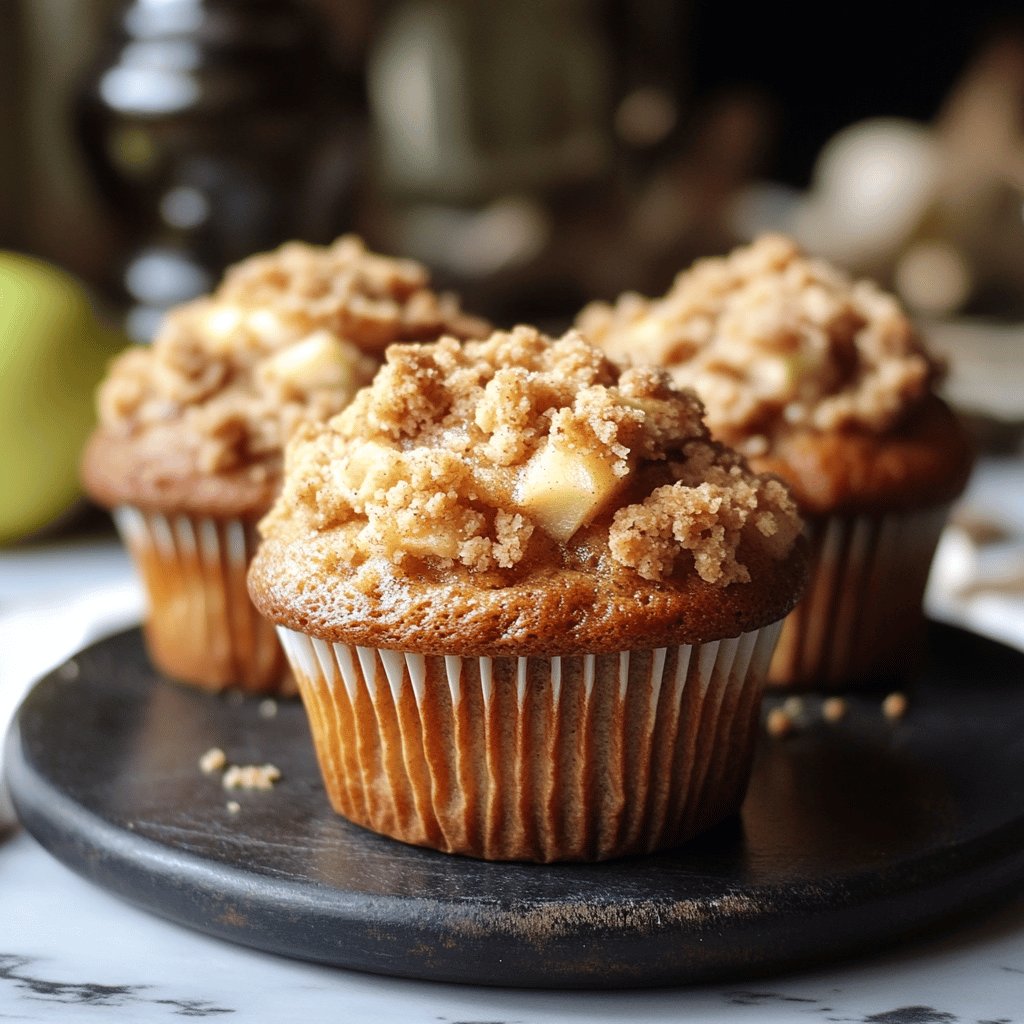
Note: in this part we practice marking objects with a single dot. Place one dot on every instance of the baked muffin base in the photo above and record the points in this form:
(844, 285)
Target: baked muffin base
(861, 619)
(585, 757)
(202, 628)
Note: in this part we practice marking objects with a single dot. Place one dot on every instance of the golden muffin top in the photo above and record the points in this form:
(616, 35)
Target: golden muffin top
(773, 342)
(518, 496)
(288, 337)
(468, 455)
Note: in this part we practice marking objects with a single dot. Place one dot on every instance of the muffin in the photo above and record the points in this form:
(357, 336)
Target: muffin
(188, 450)
(528, 602)
(823, 381)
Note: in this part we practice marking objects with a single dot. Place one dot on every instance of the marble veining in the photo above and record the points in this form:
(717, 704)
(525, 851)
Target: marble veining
(25, 974)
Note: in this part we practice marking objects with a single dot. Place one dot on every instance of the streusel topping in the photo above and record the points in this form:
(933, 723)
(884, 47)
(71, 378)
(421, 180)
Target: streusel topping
(773, 340)
(289, 336)
(474, 456)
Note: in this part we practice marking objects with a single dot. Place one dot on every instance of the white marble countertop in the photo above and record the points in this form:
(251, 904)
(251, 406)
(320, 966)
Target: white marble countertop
(72, 952)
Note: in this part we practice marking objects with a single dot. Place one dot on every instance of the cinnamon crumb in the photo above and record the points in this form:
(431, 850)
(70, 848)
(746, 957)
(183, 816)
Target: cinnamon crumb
(833, 709)
(793, 706)
(895, 706)
(778, 724)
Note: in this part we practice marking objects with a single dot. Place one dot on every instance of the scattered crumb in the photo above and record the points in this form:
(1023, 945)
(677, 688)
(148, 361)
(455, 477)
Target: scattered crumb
(251, 776)
(69, 670)
(233, 806)
(214, 760)
(793, 706)
(833, 709)
(268, 708)
(778, 723)
(895, 706)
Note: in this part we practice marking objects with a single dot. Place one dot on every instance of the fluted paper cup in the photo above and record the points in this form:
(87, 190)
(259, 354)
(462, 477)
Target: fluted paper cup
(542, 759)
(201, 626)
(861, 619)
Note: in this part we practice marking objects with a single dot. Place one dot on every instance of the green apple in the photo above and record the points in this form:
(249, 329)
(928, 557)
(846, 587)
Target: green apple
(53, 352)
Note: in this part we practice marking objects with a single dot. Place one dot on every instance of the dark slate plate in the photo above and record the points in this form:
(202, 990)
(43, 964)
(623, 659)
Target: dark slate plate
(851, 836)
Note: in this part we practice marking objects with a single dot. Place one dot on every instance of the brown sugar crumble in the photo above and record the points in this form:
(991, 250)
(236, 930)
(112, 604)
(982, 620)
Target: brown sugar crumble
(773, 340)
(251, 776)
(288, 337)
(793, 706)
(465, 456)
(779, 724)
(833, 709)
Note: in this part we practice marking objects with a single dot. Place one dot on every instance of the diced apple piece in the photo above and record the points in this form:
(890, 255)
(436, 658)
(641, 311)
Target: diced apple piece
(370, 467)
(270, 327)
(562, 489)
(221, 324)
(319, 361)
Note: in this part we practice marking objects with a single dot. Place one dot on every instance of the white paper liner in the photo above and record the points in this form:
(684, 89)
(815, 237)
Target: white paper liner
(572, 758)
(860, 619)
(201, 626)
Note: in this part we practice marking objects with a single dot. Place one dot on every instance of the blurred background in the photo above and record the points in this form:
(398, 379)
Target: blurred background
(535, 155)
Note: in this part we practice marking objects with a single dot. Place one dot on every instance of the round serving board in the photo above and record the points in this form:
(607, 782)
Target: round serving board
(851, 836)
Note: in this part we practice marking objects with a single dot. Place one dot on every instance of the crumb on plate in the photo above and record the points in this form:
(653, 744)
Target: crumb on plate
(251, 776)
(213, 761)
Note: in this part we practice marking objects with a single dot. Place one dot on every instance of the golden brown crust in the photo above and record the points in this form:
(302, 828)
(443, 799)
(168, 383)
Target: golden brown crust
(154, 472)
(547, 613)
(926, 461)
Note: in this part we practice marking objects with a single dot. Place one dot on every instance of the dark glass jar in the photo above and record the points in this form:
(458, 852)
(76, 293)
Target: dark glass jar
(214, 129)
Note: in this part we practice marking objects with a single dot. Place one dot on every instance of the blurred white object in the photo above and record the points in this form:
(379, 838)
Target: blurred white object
(977, 578)
(934, 211)
(986, 365)
(873, 183)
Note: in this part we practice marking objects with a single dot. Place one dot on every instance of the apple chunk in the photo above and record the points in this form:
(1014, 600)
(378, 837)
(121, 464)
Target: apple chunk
(319, 361)
(563, 489)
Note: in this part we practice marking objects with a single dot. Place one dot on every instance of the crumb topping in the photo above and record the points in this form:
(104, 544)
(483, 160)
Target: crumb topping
(477, 457)
(288, 337)
(773, 340)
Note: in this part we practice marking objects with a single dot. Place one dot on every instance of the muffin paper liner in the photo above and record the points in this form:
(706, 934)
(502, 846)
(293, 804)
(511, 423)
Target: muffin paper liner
(566, 758)
(202, 628)
(860, 619)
